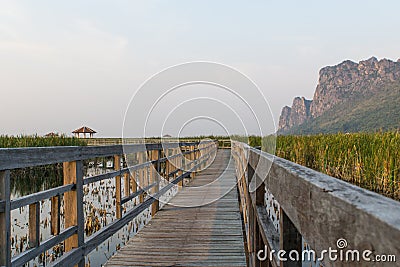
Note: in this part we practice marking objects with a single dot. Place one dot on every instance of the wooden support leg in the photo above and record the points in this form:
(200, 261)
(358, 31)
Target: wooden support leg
(290, 239)
(192, 158)
(141, 175)
(73, 205)
(55, 215)
(180, 172)
(154, 179)
(117, 167)
(133, 182)
(127, 179)
(34, 224)
(5, 224)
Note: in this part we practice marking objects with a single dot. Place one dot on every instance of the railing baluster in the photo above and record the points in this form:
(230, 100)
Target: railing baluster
(141, 175)
(159, 155)
(59, 213)
(117, 167)
(179, 164)
(154, 178)
(192, 158)
(167, 169)
(79, 208)
(127, 179)
(148, 168)
(133, 181)
(5, 220)
(55, 215)
(73, 205)
(198, 155)
(34, 224)
(259, 197)
(70, 203)
(290, 239)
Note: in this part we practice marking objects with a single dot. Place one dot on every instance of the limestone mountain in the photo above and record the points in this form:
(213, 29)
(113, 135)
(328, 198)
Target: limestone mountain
(349, 97)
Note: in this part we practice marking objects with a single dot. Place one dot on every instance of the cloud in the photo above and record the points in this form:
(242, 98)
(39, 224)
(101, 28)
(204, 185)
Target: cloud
(12, 10)
(89, 38)
(88, 29)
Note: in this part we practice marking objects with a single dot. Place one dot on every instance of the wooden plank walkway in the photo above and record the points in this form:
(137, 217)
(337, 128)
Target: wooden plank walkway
(207, 233)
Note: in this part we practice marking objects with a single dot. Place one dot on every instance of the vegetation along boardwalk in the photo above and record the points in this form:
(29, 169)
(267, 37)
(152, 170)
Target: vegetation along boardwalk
(193, 229)
(239, 208)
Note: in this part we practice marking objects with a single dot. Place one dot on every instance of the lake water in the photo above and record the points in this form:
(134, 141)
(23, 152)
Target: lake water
(99, 209)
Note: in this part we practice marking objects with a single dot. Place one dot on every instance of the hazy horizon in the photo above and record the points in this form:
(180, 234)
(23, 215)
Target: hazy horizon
(69, 64)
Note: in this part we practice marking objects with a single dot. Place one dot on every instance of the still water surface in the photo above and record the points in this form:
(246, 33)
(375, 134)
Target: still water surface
(99, 209)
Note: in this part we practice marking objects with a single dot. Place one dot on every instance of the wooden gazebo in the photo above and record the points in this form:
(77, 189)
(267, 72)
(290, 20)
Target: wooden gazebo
(52, 134)
(84, 130)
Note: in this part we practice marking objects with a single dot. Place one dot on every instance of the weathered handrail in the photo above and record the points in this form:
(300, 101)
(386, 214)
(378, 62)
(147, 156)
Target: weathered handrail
(312, 206)
(75, 245)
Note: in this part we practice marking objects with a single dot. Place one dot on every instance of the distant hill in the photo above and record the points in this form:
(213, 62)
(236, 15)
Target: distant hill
(350, 97)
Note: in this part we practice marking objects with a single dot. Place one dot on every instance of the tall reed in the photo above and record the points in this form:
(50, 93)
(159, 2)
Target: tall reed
(369, 160)
(34, 179)
(7, 141)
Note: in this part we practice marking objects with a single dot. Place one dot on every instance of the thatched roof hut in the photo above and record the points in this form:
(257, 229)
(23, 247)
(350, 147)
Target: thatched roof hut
(84, 130)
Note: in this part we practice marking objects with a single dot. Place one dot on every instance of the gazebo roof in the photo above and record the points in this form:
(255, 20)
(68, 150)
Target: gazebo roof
(51, 134)
(84, 129)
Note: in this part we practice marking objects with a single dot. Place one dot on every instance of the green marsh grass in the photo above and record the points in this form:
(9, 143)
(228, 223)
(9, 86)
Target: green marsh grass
(368, 160)
(7, 141)
(34, 179)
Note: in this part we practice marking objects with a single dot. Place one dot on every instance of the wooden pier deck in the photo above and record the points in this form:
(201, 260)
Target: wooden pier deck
(193, 229)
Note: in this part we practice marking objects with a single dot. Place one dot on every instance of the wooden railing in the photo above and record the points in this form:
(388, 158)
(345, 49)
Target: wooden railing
(147, 174)
(121, 141)
(311, 207)
(224, 143)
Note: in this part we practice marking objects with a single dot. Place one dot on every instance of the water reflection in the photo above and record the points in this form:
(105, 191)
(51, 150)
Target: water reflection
(99, 209)
(35, 179)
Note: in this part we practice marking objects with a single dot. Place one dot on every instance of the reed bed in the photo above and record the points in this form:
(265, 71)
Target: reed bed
(368, 160)
(34, 179)
(7, 141)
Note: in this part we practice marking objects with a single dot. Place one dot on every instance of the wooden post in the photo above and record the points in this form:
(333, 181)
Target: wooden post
(34, 224)
(179, 166)
(133, 182)
(117, 167)
(154, 178)
(141, 175)
(167, 169)
(252, 216)
(198, 156)
(5, 224)
(70, 204)
(159, 156)
(260, 198)
(250, 240)
(55, 215)
(245, 197)
(192, 158)
(261, 246)
(127, 178)
(73, 205)
(290, 239)
(127, 186)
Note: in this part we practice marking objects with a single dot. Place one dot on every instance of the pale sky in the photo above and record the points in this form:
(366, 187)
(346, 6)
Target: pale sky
(64, 65)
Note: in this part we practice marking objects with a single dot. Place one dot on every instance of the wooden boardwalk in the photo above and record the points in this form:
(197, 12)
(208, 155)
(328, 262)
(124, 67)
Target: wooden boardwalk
(193, 229)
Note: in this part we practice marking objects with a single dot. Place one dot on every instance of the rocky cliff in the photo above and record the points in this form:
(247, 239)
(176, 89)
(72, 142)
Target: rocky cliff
(295, 115)
(338, 84)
